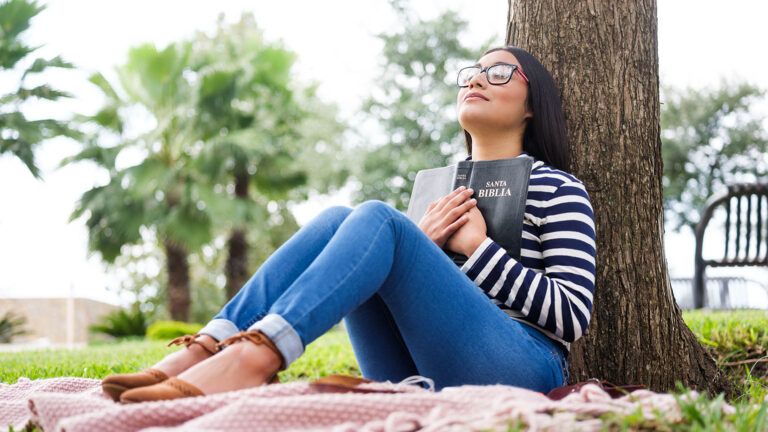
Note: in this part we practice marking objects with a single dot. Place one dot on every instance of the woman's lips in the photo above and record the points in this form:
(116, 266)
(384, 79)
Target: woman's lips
(475, 95)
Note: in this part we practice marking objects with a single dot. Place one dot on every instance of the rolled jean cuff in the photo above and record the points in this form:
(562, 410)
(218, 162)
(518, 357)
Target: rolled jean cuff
(219, 329)
(282, 334)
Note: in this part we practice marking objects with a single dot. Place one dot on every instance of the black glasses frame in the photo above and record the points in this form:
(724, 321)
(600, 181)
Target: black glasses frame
(515, 68)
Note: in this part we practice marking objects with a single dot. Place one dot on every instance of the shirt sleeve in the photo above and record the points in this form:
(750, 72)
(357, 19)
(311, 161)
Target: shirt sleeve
(560, 298)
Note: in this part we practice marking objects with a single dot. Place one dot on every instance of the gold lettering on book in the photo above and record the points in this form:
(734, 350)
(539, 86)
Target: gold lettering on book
(494, 188)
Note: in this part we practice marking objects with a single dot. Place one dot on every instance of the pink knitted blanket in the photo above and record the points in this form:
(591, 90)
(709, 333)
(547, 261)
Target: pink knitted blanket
(78, 404)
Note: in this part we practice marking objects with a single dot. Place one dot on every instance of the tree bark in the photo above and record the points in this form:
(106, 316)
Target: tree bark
(237, 262)
(603, 55)
(237, 259)
(178, 281)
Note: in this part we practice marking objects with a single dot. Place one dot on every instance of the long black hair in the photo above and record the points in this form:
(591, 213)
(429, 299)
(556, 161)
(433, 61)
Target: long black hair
(545, 136)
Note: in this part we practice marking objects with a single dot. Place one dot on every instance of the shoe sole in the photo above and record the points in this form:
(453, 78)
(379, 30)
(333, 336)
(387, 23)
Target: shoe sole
(113, 390)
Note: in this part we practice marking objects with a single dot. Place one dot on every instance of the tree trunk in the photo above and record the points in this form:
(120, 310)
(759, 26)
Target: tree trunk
(178, 281)
(237, 259)
(604, 56)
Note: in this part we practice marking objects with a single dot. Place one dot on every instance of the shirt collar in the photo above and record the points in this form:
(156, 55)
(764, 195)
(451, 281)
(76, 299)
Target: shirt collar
(521, 153)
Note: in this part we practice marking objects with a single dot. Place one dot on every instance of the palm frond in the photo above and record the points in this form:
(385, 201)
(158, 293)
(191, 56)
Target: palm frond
(40, 65)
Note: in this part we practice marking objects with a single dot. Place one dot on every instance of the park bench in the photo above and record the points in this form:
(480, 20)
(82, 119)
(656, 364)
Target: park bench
(745, 229)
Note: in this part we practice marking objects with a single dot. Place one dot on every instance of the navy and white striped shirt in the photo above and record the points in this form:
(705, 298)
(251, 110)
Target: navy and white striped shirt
(552, 285)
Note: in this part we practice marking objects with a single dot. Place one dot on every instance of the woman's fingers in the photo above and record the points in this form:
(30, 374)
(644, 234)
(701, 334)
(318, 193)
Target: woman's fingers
(465, 206)
(447, 214)
(457, 194)
(459, 198)
(453, 201)
(459, 207)
(450, 229)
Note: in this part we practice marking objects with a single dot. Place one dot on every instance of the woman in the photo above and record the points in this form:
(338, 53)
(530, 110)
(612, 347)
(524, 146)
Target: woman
(408, 309)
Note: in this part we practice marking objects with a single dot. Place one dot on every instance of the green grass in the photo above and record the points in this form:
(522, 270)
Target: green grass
(329, 354)
(697, 414)
(740, 333)
(738, 341)
(730, 336)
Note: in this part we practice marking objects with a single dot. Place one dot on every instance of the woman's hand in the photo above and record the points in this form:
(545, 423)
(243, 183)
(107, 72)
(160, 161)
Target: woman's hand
(446, 215)
(469, 236)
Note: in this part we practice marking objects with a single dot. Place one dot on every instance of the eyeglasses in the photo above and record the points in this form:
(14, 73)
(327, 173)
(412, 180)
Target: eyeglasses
(497, 74)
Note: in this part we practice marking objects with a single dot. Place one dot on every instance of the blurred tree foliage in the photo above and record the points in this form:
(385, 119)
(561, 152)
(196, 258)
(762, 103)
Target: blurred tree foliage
(160, 190)
(414, 102)
(710, 138)
(218, 136)
(19, 136)
(265, 136)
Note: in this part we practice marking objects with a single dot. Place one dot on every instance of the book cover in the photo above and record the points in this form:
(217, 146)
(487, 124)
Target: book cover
(500, 187)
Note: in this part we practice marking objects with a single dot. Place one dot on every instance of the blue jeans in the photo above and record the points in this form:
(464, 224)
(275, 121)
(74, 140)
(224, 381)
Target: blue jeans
(408, 309)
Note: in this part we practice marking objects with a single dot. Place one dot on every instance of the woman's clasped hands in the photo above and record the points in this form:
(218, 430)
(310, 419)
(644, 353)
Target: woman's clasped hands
(455, 222)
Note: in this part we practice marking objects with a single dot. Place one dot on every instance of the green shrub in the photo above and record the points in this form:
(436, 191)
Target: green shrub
(123, 323)
(11, 325)
(165, 330)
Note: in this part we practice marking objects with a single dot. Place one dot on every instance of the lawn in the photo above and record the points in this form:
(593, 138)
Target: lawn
(736, 339)
(328, 354)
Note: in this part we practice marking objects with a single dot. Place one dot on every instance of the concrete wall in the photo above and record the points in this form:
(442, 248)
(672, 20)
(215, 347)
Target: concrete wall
(57, 320)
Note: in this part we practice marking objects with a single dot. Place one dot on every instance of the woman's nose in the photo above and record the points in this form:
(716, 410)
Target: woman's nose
(476, 80)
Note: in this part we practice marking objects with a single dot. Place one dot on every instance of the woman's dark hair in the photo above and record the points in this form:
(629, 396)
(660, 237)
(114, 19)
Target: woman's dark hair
(545, 136)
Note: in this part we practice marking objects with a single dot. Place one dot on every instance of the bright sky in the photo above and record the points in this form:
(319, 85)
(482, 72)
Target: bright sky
(41, 254)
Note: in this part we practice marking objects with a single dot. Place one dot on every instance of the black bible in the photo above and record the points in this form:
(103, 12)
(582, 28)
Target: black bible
(500, 187)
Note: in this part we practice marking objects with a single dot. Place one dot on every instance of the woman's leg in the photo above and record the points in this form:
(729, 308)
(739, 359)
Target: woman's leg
(385, 355)
(266, 285)
(276, 274)
(453, 332)
(378, 345)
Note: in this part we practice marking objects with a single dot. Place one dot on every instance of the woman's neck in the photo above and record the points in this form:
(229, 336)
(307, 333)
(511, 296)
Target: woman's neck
(497, 146)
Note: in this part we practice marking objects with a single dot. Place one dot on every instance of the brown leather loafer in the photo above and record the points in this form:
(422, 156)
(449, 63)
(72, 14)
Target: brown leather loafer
(174, 388)
(114, 385)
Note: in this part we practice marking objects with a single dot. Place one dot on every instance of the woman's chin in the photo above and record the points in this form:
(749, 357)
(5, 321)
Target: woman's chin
(470, 119)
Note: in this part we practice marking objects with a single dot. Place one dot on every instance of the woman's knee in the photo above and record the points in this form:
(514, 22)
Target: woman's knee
(377, 210)
(333, 216)
(377, 206)
(336, 212)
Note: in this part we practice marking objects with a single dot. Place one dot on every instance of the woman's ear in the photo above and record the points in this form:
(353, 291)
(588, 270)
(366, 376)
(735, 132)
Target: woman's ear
(528, 110)
(527, 116)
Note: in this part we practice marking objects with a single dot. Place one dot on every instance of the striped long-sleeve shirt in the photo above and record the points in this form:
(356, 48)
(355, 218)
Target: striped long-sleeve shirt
(551, 287)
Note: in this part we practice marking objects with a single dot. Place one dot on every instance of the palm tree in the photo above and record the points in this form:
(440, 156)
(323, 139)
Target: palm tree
(260, 138)
(20, 136)
(230, 146)
(161, 192)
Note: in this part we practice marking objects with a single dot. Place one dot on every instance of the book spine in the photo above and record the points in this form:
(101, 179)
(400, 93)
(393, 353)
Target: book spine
(463, 172)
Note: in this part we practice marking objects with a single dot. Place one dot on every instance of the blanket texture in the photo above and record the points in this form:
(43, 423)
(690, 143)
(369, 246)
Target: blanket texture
(78, 404)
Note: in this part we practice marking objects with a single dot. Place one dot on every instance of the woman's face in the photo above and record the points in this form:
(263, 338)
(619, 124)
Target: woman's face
(504, 106)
